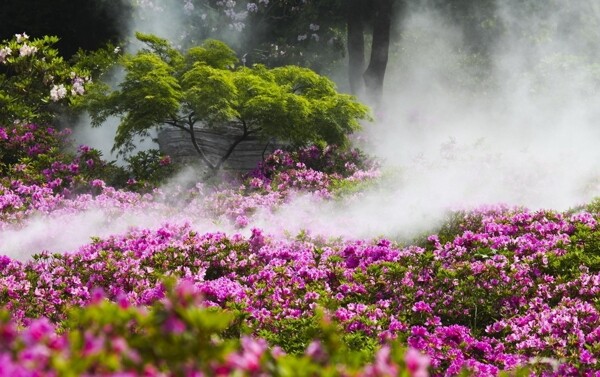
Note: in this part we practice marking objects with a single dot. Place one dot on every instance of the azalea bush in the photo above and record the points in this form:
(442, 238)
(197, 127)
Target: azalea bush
(148, 169)
(178, 336)
(493, 299)
(496, 290)
(320, 172)
(42, 155)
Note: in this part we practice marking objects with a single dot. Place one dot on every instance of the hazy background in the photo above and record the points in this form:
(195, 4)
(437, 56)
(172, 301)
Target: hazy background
(515, 121)
(518, 124)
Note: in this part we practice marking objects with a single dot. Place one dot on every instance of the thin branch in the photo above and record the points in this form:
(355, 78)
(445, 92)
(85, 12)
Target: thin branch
(176, 125)
(200, 151)
(190, 130)
(265, 150)
(242, 137)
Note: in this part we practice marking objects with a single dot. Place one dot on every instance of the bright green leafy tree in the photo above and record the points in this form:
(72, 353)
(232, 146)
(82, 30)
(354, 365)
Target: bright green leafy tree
(203, 87)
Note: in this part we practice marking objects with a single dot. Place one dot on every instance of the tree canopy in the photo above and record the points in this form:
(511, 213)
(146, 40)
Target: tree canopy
(204, 87)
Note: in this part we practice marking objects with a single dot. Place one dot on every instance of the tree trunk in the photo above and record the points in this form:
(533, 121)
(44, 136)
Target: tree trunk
(356, 46)
(375, 73)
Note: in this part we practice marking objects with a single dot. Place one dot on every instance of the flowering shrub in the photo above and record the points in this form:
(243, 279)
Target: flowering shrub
(320, 172)
(35, 82)
(495, 289)
(148, 169)
(311, 168)
(39, 155)
(34, 162)
(175, 337)
(492, 299)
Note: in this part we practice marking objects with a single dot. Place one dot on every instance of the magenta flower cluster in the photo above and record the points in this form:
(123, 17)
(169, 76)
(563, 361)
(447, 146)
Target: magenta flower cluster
(495, 289)
(176, 336)
(491, 299)
(315, 171)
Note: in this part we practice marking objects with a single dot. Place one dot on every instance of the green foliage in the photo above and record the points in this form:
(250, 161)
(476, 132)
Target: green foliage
(98, 62)
(172, 338)
(213, 53)
(164, 87)
(341, 188)
(592, 207)
(148, 169)
(293, 335)
(36, 83)
(584, 250)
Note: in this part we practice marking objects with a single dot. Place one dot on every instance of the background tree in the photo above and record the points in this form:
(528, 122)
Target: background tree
(309, 33)
(379, 13)
(164, 87)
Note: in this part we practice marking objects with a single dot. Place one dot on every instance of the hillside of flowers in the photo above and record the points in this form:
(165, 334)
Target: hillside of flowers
(495, 290)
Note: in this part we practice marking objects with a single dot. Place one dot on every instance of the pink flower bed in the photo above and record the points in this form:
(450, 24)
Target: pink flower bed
(495, 289)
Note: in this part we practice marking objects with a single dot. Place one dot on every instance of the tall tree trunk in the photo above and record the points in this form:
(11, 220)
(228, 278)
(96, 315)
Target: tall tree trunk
(375, 73)
(356, 46)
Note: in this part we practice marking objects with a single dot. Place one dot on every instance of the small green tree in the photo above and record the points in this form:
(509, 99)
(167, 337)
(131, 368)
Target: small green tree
(164, 87)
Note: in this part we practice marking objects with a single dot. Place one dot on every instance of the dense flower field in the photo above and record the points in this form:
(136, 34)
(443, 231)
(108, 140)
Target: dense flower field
(495, 289)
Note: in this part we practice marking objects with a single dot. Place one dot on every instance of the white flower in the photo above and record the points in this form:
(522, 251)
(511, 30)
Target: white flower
(117, 50)
(77, 88)
(252, 7)
(4, 52)
(315, 37)
(188, 7)
(241, 16)
(27, 50)
(266, 2)
(302, 37)
(313, 27)
(238, 26)
(57, 92)
(21, 37)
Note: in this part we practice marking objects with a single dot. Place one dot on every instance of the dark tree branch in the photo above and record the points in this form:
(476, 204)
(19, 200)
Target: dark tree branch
(237, 141)
(190, 122)
(200, 151)
(265, 150)
(176, 125)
